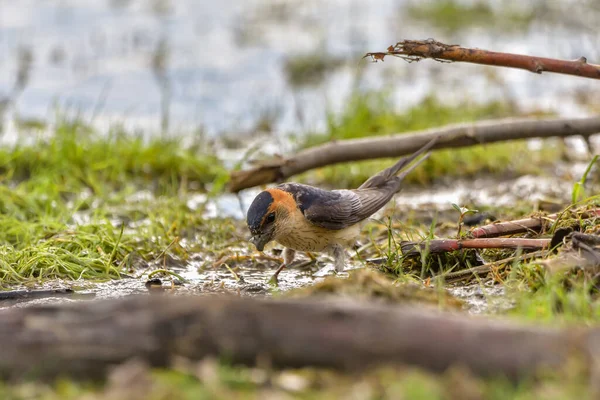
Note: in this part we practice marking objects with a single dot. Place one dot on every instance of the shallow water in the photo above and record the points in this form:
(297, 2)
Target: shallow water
(248, 281)
(479, 299)
(226, 60)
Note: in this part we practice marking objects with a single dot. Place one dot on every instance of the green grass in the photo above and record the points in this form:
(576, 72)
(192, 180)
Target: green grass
(44, 243)
(373, 113)
(219, 381)
(70, 209)
(48, 184)
(546, 288)
(452, 16)
(75, 157)
(311, 68)
(553, 300)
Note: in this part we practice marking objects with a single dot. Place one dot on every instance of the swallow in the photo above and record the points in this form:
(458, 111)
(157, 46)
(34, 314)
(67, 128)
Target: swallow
(309, 219)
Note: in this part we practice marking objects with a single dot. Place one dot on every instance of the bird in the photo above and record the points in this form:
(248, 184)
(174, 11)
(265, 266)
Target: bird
(306, 218)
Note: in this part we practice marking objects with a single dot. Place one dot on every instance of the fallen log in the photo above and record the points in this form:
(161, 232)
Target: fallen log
(416, 50)
(458, 135)
(85, 340)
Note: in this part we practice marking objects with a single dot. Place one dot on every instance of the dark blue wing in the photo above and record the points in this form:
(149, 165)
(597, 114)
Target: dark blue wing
(337, 209)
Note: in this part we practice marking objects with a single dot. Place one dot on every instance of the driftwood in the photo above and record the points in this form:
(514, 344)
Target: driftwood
(459, 135)
(85, 340)
(434, 246)
(416, 50)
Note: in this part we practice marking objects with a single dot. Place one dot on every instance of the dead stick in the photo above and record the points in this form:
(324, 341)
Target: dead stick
(458, 135)
(464, 274)
(86, 340)
(533, 224)
(416, 50)
(448, 245)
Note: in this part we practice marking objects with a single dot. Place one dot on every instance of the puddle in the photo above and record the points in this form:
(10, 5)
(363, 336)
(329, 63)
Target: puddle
(248, 281)
(487, 298)
(479, 299)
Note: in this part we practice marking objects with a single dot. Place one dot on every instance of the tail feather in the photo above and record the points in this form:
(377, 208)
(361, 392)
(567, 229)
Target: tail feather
(390, 173)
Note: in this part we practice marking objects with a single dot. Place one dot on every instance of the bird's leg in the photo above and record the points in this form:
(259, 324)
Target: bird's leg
(339, 257)
(288, 257)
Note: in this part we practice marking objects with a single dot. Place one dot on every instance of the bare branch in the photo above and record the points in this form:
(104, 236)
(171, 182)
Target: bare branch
(416, 50)
(532, 224)
(459, 135)
(446, 245)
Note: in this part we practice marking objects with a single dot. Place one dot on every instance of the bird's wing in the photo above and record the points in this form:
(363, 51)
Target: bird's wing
(336, 209)
(339, 209)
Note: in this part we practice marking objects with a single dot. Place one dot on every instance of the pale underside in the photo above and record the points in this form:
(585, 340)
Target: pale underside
(299, 234)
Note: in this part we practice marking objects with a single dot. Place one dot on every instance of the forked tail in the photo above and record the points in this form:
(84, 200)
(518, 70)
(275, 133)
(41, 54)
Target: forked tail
(390, 173)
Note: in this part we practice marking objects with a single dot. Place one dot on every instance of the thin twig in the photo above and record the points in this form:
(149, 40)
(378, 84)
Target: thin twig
(416, 50)
(462, 275)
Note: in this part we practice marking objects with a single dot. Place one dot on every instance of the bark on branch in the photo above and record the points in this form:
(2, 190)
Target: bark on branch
(435, 246)
(416, 50)
(534, 225)
(85, 340)
(460, 135)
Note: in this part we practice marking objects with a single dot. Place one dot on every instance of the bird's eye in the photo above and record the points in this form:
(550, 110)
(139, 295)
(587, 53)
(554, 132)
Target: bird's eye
(270, 218)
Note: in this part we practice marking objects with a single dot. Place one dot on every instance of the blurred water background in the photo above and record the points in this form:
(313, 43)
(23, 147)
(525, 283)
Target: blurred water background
(237, 67)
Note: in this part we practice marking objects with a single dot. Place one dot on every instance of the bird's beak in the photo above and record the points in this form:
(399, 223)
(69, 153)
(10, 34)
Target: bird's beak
(260, 241)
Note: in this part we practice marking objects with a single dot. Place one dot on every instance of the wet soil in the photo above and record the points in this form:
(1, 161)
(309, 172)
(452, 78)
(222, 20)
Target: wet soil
(250, 278)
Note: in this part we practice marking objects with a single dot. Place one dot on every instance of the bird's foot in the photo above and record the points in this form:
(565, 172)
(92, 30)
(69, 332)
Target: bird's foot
(274, 279)
(339, 257)
(339, 271)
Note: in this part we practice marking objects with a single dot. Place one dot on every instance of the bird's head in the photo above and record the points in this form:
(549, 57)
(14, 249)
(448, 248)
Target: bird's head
(265, 212)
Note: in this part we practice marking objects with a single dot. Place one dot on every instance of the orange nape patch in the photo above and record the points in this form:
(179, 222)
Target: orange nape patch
(281, 199)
